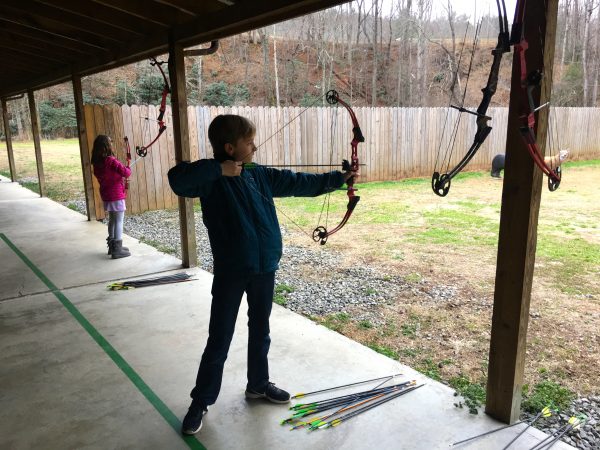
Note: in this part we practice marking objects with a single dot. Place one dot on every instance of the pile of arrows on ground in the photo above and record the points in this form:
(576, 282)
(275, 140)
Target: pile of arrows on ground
(332, 412)
(156, 281)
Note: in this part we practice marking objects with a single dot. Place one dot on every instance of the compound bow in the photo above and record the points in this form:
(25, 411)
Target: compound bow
(530, 82)
(320, 233)
(440, 182)
(142, 150)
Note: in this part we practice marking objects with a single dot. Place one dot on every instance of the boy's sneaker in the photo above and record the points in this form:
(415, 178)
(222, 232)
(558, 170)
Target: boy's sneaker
(271, 393)
(192, 422)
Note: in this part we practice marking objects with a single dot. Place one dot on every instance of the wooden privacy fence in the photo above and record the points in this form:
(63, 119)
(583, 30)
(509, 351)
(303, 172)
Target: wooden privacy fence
(399, 142)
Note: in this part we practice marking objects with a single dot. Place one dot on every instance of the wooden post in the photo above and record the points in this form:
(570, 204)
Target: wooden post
(9, 149)
(518, 223)
(84, 151)
(35, 129)
(189, 256)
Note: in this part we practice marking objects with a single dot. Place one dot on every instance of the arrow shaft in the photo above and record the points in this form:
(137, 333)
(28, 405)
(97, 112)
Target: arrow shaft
(346, 385)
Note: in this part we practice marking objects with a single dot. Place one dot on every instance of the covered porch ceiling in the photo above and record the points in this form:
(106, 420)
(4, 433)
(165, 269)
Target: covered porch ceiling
(45, 42)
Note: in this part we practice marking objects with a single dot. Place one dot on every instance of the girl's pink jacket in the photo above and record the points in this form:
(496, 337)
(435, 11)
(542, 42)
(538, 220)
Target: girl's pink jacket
(110, 176)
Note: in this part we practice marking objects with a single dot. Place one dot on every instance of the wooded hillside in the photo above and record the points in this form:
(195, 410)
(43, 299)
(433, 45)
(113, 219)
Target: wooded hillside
(404, 56)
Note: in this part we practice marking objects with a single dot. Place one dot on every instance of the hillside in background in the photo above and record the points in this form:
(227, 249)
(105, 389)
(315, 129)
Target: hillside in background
(242, 75)
(403, 57)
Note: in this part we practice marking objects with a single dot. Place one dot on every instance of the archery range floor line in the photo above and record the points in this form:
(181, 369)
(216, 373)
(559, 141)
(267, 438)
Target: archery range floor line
(112, 353)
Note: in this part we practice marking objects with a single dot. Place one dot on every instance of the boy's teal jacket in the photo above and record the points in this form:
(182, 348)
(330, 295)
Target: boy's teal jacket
(239, 213)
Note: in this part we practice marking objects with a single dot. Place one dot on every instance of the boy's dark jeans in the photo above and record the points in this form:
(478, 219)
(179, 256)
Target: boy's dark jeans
(227, 291)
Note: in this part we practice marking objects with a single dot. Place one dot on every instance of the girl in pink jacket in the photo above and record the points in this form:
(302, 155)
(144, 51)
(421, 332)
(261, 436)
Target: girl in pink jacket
(111, 175)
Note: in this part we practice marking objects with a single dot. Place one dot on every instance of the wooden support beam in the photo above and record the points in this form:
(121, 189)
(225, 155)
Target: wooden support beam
(7, 135)
(35, 129)
(84, 151)
(189, 255)
(518, 222)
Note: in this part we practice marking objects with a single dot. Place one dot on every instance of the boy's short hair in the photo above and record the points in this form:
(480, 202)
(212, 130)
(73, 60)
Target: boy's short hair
(228, 129)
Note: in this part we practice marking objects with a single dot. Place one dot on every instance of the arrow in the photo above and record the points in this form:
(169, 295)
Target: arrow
(546, 412)
(302, 394)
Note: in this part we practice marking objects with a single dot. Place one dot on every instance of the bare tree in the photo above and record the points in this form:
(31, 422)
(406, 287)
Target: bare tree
(277, 103)
(575, 29)
(589, 6)
(596, 62)
(423, 17)
(375, 47)
(403, 74)
(264, 40)
(567, 18)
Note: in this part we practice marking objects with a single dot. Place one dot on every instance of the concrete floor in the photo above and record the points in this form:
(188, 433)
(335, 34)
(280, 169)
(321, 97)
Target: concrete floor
(84, 367)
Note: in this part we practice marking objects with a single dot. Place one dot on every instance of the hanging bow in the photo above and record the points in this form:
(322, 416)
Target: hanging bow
(440, 182)
(142, 150)
(530, 82)
(320, 233)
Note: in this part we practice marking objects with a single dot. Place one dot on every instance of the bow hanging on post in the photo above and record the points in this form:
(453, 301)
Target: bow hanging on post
(529, 83)
(320, 233)
(440, 181)
(142, 150)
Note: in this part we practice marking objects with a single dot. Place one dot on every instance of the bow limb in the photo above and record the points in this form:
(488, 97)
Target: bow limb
(440, 182)
(320, 233)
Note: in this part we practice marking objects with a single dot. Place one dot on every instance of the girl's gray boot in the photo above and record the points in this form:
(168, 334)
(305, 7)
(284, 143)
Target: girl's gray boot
(118, 251)
(109, 244)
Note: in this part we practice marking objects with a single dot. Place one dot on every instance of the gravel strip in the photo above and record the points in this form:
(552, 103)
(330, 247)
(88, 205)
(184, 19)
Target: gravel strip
(588, 435)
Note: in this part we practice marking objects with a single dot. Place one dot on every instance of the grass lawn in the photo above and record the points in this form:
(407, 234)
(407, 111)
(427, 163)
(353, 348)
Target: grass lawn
(62, 167)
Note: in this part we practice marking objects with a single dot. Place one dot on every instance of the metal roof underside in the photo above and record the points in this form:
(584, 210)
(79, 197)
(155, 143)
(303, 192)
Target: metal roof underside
(45, 42)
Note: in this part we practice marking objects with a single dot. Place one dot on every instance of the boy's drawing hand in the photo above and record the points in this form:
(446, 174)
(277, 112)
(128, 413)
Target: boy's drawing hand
(350, 174)
(231, 168)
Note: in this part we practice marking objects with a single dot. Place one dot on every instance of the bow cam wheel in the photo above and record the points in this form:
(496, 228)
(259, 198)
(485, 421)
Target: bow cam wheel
(320, 235)
(141, 151)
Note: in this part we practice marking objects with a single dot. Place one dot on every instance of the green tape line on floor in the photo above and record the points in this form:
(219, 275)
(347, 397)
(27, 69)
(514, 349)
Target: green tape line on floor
(137, 380)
